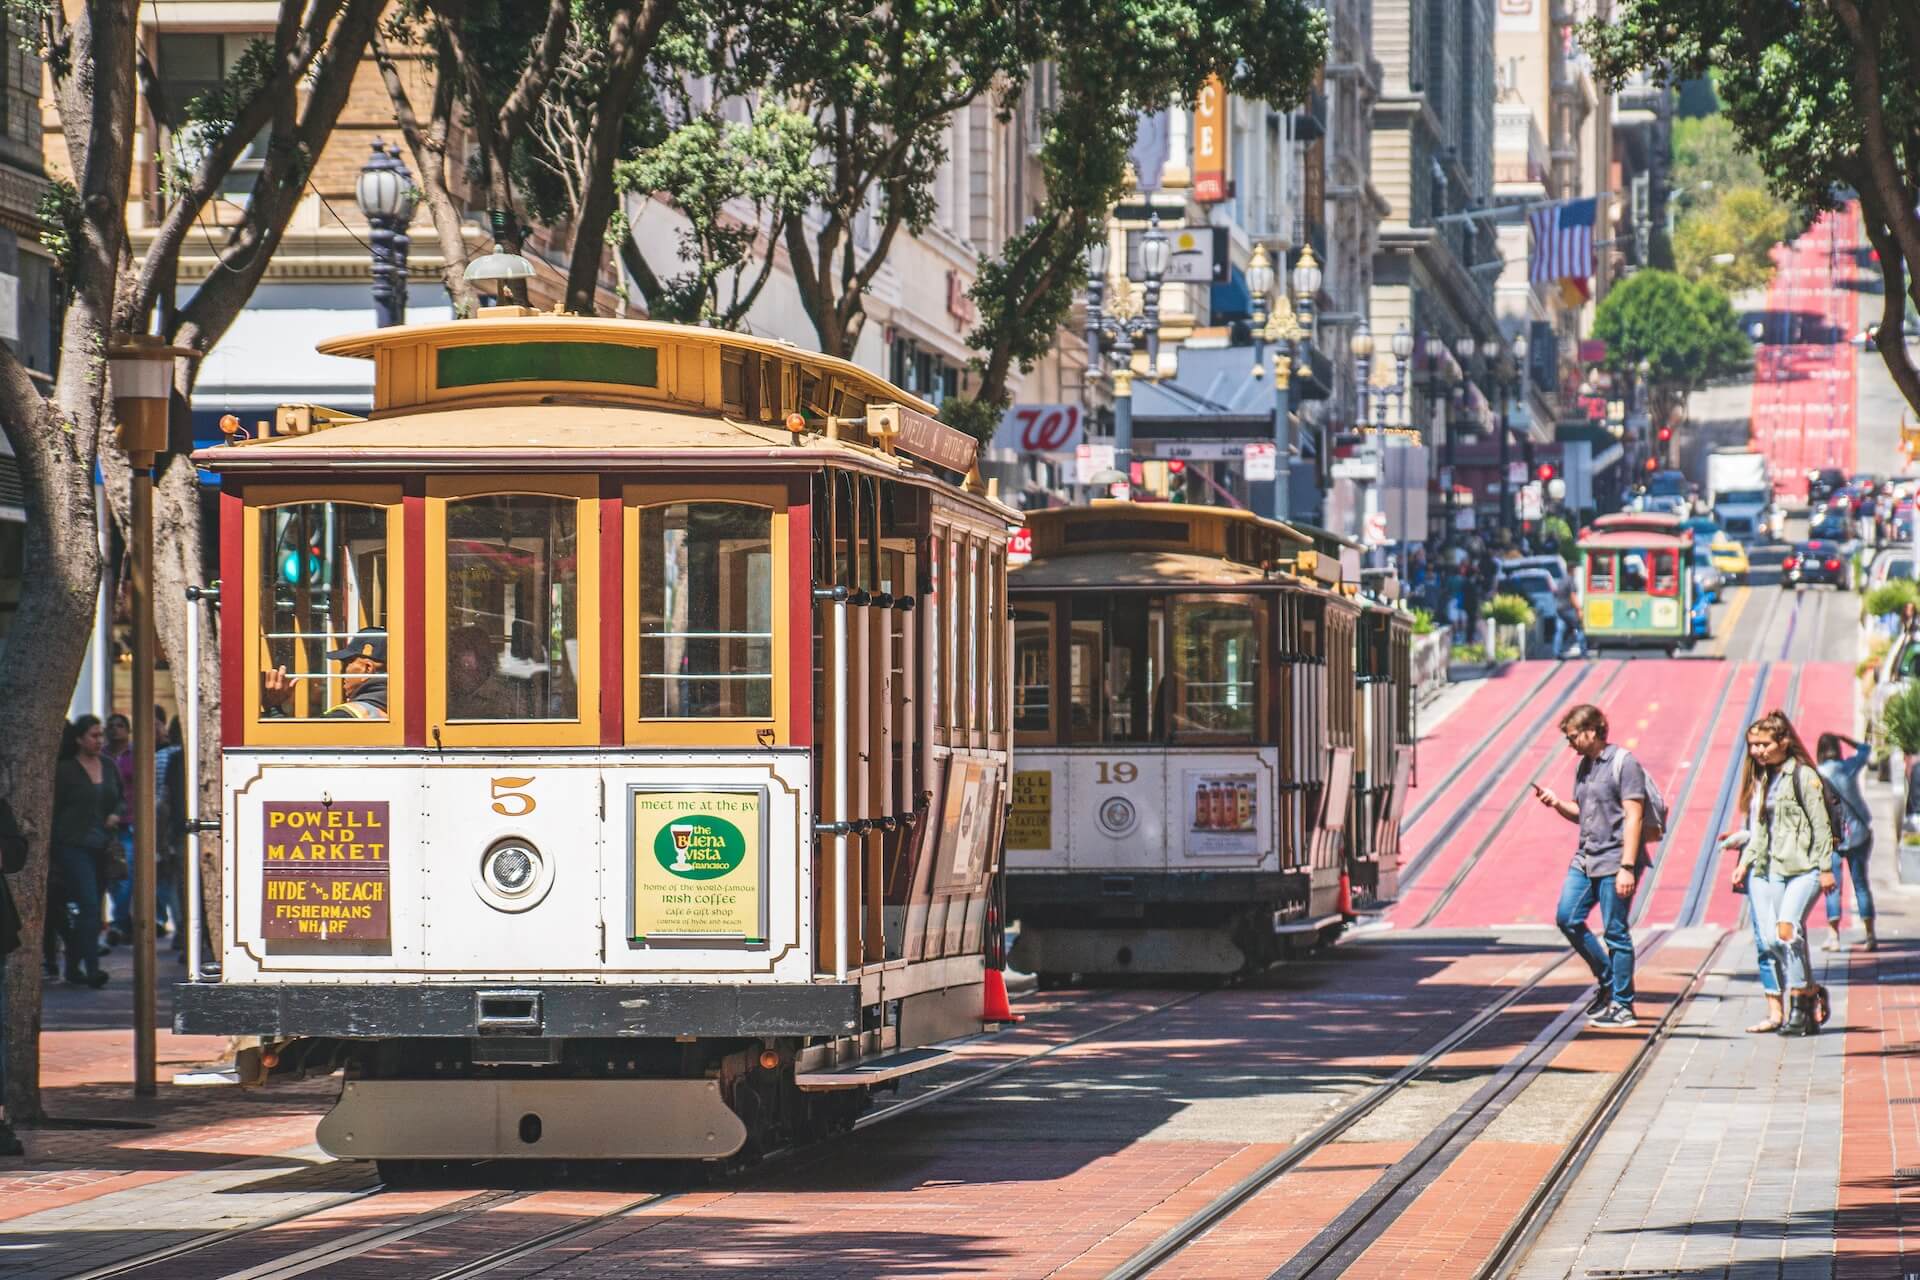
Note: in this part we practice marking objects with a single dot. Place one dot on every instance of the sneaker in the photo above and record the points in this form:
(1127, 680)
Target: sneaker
(1615, 1015)
(1602, 997)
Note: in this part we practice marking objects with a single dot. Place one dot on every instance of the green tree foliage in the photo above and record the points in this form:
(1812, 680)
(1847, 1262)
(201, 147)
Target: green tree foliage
(1894, 596)
(1825, 97)
(1114, 59)
(1729, 242)
(1508, 610)
(1686, 333)
(1707, 151)
(1901, 716)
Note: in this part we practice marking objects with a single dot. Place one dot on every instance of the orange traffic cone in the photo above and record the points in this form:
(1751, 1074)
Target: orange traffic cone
(1346, 896)
(997, 1007)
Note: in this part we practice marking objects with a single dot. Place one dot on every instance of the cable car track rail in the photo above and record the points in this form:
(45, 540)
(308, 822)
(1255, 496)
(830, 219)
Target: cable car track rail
(1437, 789)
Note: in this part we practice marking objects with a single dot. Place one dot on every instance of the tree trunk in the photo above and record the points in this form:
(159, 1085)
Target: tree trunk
(39, 664)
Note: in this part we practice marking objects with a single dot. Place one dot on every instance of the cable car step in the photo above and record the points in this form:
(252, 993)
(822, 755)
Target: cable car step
(1313, 925)
(888, 1066)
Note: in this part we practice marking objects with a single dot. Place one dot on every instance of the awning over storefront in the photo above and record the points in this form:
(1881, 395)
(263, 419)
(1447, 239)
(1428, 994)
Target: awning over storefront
(1216, 397)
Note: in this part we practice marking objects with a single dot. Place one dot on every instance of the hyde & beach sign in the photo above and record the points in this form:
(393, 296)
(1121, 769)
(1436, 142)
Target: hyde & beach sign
(328, 871)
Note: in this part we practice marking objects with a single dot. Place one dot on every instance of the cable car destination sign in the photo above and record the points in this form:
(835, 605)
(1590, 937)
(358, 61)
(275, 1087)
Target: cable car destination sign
(328, 870)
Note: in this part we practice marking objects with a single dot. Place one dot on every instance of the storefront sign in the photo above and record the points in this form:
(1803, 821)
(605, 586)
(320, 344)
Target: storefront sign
(1020, 547)
(1031, 824)
(1258, 462)
(699, 862)
(1041, 428)
(327, 871)
(1223, 814)
(1210, 143)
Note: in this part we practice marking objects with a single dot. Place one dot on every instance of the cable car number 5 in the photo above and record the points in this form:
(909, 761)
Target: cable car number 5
(509, 801)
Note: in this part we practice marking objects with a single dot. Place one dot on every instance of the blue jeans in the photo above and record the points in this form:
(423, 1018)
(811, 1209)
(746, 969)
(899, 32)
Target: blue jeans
(120, 892)
(1856, 864)
(1612, 964)
(1769, 980)
(1780, 907)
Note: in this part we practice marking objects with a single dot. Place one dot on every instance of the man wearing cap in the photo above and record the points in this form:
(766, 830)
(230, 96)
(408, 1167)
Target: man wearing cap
(363, 681)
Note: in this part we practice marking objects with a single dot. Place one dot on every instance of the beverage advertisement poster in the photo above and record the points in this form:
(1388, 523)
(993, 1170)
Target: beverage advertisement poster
(327, 871)
(1223, 811)
(699, 864)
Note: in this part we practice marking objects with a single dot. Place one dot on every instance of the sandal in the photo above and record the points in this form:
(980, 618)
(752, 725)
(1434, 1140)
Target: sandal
(1763, 1028)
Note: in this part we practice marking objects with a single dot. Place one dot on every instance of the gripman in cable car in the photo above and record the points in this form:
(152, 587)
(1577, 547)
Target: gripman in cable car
(615, 743)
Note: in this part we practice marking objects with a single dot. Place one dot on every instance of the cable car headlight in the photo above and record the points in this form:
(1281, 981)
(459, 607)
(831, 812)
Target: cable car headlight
(513, 875)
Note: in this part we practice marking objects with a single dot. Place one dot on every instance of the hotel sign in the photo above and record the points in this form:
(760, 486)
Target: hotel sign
(1210, 143)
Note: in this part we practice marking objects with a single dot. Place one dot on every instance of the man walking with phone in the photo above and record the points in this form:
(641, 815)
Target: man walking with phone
(1609, 806)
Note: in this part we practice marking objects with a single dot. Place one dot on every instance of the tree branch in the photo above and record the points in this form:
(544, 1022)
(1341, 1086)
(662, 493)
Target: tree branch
(429, 151)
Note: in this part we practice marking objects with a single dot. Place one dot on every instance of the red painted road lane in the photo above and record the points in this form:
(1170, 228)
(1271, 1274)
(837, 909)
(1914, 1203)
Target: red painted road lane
(1659, 711)
(1470, 734)
(1824, 703)
(1692, 822)
(1804, 392)
(1448, 845)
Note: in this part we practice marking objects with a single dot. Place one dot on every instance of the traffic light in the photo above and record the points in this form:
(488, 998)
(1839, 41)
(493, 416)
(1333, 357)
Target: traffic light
(1544, 472)
(1666, 434)
(1176, 466)
(1652, 465)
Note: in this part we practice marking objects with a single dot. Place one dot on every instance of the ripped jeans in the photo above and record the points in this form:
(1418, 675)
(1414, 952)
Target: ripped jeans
(1781, 905)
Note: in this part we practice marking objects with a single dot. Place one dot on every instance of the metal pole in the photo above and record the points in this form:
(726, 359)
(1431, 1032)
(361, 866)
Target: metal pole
(1505, 452)
(380, 241)
(144, 1048)
(842, 763)
(1283, 434)
(1123, 416)
(190, 755)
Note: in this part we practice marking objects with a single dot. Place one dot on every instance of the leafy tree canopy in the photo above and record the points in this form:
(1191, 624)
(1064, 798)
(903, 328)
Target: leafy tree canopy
(1826, 97)
(1729, 243)
(1684, 332)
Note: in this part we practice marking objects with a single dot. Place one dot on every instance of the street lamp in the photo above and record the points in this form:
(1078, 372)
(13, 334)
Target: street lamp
(1114, 326)
(387, 197)
(1360, 347)
(141, 369)
(501, 270)
(1289, 337)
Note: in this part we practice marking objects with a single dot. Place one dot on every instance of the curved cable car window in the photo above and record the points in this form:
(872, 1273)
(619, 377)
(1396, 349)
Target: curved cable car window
(1666, 579)
(1600, 571)
(513, 594)
(706, 611)
(1633, 571)
(324, 603)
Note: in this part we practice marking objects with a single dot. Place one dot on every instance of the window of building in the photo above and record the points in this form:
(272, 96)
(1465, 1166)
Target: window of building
(323, 612)
(195, 63)
(706, 611)
(512, 617)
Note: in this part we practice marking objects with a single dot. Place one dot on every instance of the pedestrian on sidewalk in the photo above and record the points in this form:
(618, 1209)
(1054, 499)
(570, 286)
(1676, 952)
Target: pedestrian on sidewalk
(87, 804)
(1785, 862)
(1609, 805)
(116, 864)
(1842, 761)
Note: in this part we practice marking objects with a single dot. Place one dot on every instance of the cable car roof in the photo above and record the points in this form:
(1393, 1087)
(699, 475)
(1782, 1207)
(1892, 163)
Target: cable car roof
(1619, 539)
(1166, 569)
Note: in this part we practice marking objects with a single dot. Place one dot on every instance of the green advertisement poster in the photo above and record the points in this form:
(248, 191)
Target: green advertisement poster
(698, 865)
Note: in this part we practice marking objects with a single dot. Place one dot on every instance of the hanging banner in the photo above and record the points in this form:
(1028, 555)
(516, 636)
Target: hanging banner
(1210, 142)
(698, 860)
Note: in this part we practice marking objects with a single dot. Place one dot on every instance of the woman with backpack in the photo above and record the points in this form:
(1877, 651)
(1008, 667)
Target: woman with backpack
(1842, 761)
(1785, 862)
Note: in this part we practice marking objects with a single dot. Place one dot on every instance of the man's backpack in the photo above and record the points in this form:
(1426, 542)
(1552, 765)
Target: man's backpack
(1836, 808)
(1653, 821)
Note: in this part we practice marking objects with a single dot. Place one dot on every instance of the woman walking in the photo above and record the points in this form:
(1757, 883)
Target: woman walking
(1786, 861)
(1842, 761)
(86, 814)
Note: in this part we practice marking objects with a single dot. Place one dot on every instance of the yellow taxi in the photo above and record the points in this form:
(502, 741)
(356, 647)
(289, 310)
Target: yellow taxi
(1729, 557)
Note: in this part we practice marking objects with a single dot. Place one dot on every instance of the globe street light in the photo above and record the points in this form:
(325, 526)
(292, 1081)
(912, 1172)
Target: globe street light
(387, 198)
(1289, 337)
(1113, 326)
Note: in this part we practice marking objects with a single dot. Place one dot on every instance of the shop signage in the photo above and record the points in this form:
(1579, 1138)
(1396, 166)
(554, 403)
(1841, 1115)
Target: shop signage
(1030, 825)
(1020, 546)
(1041, 428)
(327, 871)
(1210, 143)
(1195, 255)
(1258, 462)
(699, 864)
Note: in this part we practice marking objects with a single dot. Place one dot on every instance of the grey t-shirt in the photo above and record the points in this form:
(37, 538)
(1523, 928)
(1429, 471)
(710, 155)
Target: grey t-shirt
(1601, 801)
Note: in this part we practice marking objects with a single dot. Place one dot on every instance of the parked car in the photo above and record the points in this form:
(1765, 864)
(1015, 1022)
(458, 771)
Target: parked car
(1707, 578)
(1814, 562)
(1553, 566)
(1888, 565)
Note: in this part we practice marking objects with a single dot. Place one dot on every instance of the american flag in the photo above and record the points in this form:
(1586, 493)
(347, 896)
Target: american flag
(1563, 241)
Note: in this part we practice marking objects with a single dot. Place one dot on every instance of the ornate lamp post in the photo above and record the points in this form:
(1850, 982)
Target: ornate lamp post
(1115, 326)
(1288, 335)
(387, 196)
(141, 369)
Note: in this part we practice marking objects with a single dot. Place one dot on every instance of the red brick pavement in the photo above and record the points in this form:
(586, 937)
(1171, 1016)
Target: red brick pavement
(1877, 1218)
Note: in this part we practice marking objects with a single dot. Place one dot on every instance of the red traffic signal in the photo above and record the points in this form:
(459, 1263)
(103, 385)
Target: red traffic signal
(1651, 465)
(1666, 434)
(1544, 471)
(1176, 466)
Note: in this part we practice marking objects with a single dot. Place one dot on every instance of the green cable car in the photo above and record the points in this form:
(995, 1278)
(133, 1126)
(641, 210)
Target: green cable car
(1636, 582)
